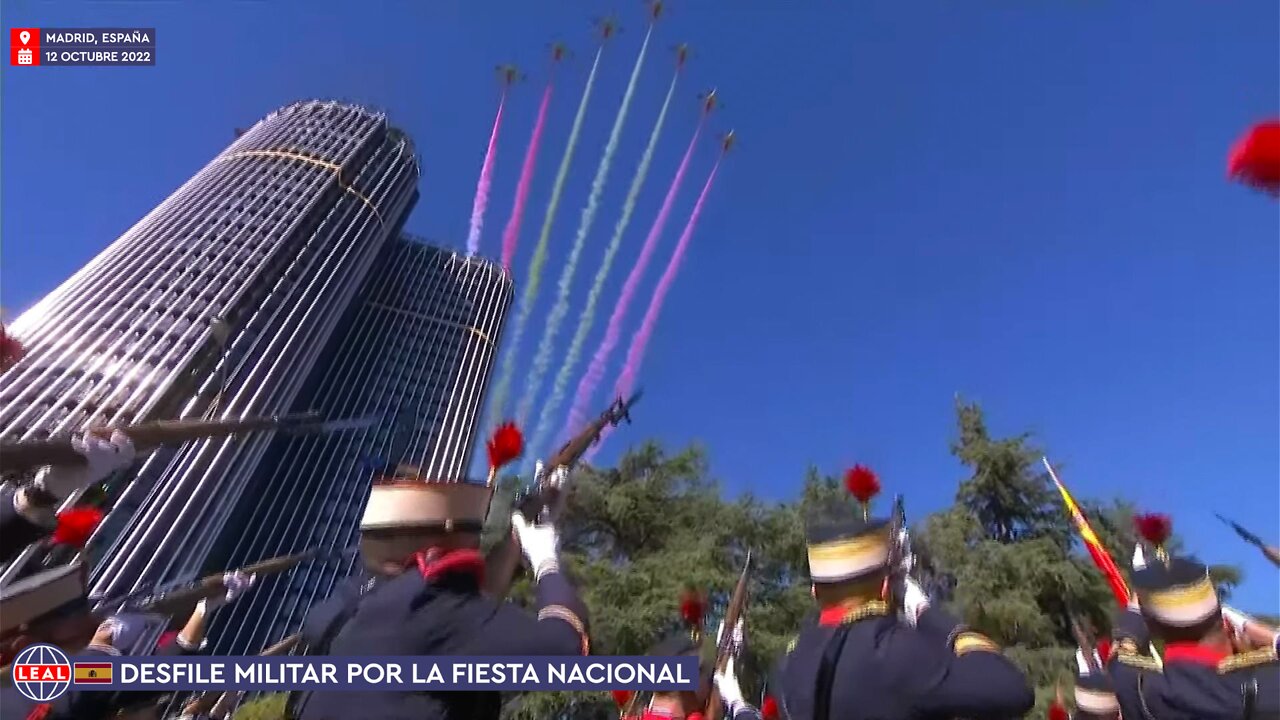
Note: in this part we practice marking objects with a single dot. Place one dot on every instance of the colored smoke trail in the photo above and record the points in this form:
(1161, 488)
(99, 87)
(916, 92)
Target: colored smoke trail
(542, 359)
(511, 233)
(613, 332)
(481, 203)
(503, 387)
(561, 385)
(640, 341)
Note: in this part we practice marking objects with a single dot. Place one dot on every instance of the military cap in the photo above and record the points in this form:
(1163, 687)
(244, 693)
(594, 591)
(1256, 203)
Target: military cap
(1173, 591)
(1095, 694)
(402, 499)
(45, 595)
(844, 541)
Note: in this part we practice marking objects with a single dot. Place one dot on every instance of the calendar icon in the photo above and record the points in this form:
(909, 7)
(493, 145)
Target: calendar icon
(24, 46)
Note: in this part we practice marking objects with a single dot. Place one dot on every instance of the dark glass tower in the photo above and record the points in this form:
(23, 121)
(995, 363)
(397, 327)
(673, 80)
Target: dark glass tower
(275, 236)
(417, 350)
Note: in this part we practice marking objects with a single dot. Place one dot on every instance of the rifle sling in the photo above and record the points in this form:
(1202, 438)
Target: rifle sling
(827, 673)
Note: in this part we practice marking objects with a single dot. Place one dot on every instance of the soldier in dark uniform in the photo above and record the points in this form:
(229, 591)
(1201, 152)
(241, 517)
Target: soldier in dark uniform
(1200, 675)
(1094, 694)
(421, 595)
(857, 659)
(120, 634)
(27, 513)
(689, 705)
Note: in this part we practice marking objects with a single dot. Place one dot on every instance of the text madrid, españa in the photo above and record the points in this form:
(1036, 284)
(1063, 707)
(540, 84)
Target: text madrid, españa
(89, 37)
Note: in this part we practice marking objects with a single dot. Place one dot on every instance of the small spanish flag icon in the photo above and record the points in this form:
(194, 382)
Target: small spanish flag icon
(92, 674)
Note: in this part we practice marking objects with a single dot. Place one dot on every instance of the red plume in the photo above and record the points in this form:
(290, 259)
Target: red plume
(1058, 712)
(1255, 158)
(861, 483)
(692, 608)
(75, 525)
(769, 708)
(1153, 527)
(1104, 649)
(167, 639)
(621, 697)
(11, 351)
(505, 445)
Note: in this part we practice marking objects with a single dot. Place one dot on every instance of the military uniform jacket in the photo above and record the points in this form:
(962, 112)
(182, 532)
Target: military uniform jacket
(445, 615)
(79, 705)
(746, 712)
(16, 531)
(881, 669)
(1193, 684)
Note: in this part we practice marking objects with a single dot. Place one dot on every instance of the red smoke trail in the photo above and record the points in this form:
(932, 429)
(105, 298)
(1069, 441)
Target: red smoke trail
(511, 234)
(481, 202)
(640, 341)
(595, 371)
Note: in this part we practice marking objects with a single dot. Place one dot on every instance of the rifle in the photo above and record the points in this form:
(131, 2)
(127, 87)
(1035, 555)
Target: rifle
(543, 501)
(1085, 641)
(22, 455)
(724, 650)
(171, 602)
(900, 559)
(1272, 553)
(209, 700)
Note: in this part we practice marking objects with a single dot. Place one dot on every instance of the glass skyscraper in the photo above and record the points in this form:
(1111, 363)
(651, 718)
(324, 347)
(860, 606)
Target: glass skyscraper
(416, 351)
(272, 277)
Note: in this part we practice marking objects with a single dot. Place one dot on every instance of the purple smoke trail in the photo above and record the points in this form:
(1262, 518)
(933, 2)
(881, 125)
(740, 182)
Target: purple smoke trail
(511, 234)
(640, 341)
(481, 202)
(595, 371)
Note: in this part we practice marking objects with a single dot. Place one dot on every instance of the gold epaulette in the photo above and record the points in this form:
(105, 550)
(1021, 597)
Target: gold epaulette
(1247, 660)
(560, 612)
(1133, 659)
(875, 608)
(967, 642)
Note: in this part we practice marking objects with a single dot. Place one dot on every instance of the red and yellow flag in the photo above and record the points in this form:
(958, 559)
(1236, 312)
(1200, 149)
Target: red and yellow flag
(1100, 556)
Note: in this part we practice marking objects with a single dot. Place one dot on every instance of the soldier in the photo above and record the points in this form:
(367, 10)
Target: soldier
(119, 634)
(1094, 695)
(421, 596)
(857, 660)
(1200, 675)
(27, 514)
(689, 705)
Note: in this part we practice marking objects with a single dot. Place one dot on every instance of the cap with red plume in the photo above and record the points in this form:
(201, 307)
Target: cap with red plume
(11, 351)
(769, 708)
(506, 444)
(1255, 158)
(1058, 712)
(693, 609)
(1155, 529)
(863, 485)
(76, 526)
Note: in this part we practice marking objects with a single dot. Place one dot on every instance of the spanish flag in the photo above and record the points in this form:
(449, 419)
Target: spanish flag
(92, 674)
(1100, 556)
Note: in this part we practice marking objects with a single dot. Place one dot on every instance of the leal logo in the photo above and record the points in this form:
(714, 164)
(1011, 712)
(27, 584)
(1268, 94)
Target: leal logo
(42, 673)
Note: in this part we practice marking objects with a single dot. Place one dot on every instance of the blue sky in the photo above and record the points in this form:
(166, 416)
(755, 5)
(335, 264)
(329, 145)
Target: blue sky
(1022, 204)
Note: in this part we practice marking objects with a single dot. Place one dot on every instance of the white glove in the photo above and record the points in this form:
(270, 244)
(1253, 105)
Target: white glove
(102, 457)
(540, 543)
(237, 583)
(914, 601)
(1139, 557)
(908, 558)
(738, 636)
(1237, 619)
(727, 683)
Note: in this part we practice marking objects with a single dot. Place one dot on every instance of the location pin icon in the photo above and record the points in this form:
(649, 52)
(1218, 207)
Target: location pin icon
(24, 36)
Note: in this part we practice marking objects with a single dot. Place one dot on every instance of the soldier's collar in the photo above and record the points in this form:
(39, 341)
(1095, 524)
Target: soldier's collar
(851, 611)
(1194, 653)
